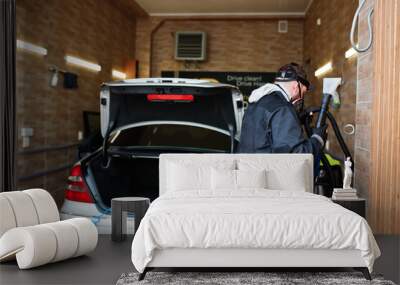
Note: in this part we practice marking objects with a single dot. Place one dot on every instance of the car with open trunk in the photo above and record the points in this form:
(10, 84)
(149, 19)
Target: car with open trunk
(140, 119)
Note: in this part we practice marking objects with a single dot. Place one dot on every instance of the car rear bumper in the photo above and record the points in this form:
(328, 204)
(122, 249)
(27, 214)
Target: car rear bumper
(102, 221)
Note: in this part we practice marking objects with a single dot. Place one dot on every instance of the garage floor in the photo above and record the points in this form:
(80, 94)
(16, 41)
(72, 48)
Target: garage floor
(110, 260)
(103, 266)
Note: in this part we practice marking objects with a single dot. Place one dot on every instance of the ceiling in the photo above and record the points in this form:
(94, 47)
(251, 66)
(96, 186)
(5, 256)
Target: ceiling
(290, 8)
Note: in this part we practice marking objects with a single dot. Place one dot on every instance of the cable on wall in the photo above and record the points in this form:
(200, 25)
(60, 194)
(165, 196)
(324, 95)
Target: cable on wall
(353, 27)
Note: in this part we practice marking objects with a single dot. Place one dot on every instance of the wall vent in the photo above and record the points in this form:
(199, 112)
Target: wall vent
(190, 46)
(283, 26)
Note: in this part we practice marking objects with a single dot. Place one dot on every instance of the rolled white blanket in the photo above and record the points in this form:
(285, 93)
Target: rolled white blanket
(87, 235)
(40, 244)
(46, 208)
(26, 208)
(23, 209)
(7, 218)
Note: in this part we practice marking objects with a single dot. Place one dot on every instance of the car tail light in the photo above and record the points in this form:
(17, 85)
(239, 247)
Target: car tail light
(170, 97)
(77, 189)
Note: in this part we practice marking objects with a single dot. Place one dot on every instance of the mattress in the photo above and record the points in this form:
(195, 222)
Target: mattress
(250, 219)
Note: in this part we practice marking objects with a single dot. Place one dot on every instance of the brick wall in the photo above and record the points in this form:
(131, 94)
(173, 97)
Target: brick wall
(98, 31)
(233, 44)
(328, 42)
(365, 80)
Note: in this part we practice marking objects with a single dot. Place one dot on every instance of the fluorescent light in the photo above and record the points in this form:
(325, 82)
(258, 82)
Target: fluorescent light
(31, 47)
(118, 74)
(350, 52)
(323, 69)
(82, 63)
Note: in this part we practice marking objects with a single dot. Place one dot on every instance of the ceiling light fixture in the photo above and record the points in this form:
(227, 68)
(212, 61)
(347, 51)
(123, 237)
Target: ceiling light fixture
(323, 69)
(31, 47)
(118, 74)
(82, 63)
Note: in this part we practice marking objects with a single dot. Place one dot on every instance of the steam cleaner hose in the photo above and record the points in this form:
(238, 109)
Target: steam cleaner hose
(335, 127)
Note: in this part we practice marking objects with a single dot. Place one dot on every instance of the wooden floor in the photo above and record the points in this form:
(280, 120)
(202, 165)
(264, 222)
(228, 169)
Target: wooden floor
(106, 264)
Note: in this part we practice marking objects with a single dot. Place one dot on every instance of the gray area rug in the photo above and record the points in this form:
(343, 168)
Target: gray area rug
(228, 278)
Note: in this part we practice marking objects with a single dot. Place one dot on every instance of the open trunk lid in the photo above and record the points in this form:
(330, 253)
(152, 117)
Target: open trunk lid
(142, 100)
(142, 118)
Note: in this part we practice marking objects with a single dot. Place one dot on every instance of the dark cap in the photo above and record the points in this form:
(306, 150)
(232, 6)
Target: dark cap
(292, 72)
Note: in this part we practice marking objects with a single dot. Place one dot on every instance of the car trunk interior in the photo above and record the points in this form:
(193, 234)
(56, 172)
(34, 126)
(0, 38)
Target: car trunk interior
(133, 172)
(125, 177)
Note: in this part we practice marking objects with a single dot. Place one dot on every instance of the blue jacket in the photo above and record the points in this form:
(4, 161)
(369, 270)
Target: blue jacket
(271, 125)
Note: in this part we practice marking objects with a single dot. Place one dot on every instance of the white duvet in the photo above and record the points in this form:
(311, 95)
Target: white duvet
(250, 219)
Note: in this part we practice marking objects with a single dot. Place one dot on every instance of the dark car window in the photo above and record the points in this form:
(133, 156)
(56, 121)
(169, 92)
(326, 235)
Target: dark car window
(175, 136)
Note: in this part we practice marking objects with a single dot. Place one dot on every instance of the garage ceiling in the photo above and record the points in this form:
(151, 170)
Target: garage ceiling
(293, 8)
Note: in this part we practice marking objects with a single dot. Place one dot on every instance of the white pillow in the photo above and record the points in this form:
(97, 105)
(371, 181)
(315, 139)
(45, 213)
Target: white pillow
(184, 175)
(292, 179)
(281, 175)
(225, 179)
(251, 178)
(181, 177)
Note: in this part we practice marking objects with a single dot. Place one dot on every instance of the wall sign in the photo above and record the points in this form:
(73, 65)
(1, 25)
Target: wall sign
(245, 81)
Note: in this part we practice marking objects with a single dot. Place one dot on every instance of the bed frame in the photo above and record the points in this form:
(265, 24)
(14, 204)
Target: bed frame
(242, 259)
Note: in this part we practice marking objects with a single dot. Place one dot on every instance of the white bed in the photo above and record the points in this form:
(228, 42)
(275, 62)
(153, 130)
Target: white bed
(193, 224)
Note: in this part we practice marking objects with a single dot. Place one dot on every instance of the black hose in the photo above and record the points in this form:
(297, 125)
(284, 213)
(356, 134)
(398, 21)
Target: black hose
(335, 128)
(321, 120)
(324, 160)
(313, 110)
(339, 137)
(343, 146)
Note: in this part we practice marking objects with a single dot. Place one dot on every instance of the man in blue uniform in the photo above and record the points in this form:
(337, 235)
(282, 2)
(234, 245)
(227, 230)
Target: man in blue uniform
(271, 123)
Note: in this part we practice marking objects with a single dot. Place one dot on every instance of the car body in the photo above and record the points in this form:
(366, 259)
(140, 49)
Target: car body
(140, 119)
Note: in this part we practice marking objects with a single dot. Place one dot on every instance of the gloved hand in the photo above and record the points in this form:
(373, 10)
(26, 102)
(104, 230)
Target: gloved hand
(320, 134)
